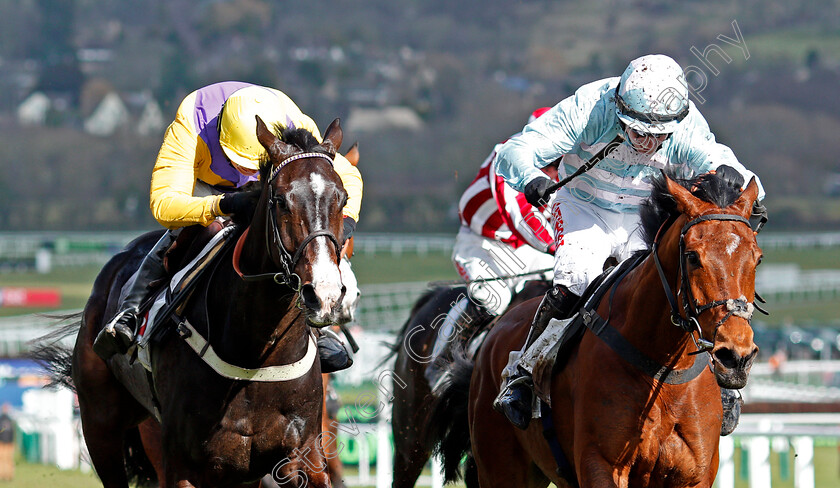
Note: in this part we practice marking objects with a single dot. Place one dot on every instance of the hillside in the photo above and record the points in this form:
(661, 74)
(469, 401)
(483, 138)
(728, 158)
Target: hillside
(471, 70)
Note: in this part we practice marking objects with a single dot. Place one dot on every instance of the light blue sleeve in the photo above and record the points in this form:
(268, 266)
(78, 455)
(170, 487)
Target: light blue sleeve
(549, 137)
(724, 155)
(694, 146)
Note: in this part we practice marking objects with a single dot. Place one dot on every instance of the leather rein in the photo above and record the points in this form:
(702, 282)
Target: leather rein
(739, 307)
(286, 260)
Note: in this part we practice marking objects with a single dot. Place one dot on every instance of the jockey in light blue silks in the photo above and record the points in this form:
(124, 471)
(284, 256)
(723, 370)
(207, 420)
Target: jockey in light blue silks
(636, 125)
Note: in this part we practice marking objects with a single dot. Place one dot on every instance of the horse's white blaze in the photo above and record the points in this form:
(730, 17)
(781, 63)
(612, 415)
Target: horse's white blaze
(733, 244)
(326, 279)
(318, 184)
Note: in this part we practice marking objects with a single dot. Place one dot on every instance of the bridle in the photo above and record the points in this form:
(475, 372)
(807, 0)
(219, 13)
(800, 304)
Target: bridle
(281, 256)
(739, 307)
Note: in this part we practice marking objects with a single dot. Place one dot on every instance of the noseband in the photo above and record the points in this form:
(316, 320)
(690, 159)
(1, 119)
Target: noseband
(285, 260)
(739, 307)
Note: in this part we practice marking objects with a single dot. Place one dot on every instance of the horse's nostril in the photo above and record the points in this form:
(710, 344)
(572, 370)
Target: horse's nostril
(310, 299)
(747, 360)
(726, 357)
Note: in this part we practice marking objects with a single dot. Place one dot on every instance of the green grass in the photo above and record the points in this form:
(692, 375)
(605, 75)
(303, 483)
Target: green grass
(385, 268)
(793, 45)
(805, 313)
(32, 475)
(817, 258)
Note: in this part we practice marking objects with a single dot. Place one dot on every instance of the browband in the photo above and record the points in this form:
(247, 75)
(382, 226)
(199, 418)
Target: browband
(305, 155)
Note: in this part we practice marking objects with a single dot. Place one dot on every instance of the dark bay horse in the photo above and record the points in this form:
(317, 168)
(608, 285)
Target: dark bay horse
(615, 425)
(255, 310)
(411, 404)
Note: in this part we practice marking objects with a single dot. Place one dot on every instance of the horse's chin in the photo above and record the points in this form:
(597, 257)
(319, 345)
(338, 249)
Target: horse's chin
(732, 378)
(319, 321)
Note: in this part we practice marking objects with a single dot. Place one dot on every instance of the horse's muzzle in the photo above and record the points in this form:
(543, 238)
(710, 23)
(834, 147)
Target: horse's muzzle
(731, 368)
(323, 303)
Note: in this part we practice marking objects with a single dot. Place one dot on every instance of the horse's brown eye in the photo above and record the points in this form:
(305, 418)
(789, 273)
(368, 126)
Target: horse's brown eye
(280, 201)
(693, 259)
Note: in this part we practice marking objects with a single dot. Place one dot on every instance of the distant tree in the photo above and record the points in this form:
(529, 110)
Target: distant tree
(17, 21)
(60, 70)
(812, 59)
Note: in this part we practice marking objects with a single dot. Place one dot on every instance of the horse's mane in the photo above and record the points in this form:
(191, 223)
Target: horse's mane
(721, 188)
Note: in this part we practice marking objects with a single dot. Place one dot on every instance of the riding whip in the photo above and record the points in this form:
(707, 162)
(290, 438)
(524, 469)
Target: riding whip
(597, 158)
(435, 284)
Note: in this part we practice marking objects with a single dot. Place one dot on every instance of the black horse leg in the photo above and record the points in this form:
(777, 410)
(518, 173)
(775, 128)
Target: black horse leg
(107, 409)
(407, 468)
(104, 431)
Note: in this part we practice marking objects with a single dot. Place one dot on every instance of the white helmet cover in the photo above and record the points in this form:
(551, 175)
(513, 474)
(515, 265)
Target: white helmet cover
(652, 95)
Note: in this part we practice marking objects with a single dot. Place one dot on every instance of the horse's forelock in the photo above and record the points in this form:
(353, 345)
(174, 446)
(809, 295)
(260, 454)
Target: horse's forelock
(721, 188)
(301, 138)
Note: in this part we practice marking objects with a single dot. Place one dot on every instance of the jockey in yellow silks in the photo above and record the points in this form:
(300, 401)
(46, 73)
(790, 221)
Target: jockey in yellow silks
(209, 152)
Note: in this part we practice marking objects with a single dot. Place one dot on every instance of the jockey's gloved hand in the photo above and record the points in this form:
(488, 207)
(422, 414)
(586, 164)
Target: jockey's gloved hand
(758, 217)
(730, 175)
(537, 191)
(349, 227)
(240, 204)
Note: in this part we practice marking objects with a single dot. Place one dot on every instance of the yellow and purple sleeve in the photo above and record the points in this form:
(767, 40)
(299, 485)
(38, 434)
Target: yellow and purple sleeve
(175, 173)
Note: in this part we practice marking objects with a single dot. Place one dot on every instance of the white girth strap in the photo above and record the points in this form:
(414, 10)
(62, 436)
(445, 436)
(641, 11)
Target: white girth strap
(286, 372)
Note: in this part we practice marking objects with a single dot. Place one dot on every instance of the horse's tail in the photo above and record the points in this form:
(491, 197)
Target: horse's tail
(449, 432)
(55, 357)
(138, 467)
(394, 348)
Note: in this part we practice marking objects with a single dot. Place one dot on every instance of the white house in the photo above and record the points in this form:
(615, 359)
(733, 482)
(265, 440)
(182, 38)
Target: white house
(108, 116)
(151, 121)
(33, 110)
(376, 119)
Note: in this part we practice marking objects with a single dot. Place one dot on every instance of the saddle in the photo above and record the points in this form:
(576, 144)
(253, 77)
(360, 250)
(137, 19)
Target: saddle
(189, 243)
(552, 359)
(192, 253)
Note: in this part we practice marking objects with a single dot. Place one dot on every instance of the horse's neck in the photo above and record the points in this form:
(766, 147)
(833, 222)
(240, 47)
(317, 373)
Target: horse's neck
(254, 320)
(643, 313)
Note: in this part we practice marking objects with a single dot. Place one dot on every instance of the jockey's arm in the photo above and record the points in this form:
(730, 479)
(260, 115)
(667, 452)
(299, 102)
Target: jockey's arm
(548, 138)
(724, 155)
(173, 179)
(352, 181)
(695, 145)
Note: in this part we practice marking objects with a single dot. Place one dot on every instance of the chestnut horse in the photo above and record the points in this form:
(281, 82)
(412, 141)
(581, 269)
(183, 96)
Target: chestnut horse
(255, 310)
(617, 423)
(412, 403)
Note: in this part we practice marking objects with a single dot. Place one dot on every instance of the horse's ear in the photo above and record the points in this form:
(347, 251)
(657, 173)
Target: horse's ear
(333, 137)
(353, 154)
(744, 204)
(686, 202)
(277, 149)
